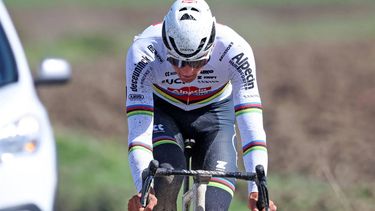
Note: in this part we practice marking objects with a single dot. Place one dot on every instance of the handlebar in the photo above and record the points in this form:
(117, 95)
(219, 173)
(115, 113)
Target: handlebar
(259, 177)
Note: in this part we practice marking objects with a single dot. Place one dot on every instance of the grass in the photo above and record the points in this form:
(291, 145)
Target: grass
(94, 176)
(75, 47)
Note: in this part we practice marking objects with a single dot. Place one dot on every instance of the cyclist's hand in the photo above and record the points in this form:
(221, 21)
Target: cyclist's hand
(134, 203)
(252, 203)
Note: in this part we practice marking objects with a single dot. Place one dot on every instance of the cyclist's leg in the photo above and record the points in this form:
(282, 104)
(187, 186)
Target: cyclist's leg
(216, 150)
(220, 156)
(168, 150)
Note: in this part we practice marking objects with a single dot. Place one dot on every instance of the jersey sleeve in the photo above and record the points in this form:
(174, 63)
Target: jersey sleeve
(248, 107)
(139, 109)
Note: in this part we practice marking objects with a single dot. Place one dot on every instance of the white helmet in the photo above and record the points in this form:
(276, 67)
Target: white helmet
(189, 30)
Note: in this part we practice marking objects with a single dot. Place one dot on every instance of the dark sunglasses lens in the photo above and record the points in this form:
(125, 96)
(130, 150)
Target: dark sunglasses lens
(193, 64)
(198, 64)
(173, 61)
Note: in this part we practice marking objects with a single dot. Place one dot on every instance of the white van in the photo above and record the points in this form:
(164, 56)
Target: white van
(28, 166)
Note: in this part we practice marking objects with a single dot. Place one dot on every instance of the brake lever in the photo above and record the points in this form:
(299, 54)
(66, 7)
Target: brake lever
(261, 181)
(146, 186)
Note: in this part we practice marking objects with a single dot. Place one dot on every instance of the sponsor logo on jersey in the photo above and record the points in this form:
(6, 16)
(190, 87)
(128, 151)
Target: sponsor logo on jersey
(205, 77)
(190, 90)
(208, 82)
(241, 63)
(250, 96)
(167, 74)
(206, 72)
(172, 81)
(148, 71)
(221, 165)
(137, 72)
(210, 77)
(226, 51)
(155, 52)
(136, 97)
(158, 128)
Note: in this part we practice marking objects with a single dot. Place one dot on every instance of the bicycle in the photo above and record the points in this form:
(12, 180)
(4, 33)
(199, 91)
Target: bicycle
(196, 193)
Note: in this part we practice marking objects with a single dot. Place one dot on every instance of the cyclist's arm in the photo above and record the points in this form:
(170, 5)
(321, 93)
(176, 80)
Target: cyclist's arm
(139, 108)
(248, 107)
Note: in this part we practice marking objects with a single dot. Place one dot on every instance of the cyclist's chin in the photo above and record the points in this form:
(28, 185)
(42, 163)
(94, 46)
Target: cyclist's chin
(187, 79)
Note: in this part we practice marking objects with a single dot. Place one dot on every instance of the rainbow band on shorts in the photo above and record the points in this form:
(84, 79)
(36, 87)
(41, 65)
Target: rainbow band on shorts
(222, 183)
(163, 140)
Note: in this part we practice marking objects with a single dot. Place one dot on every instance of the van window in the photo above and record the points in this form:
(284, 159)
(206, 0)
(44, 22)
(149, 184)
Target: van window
(8, 68)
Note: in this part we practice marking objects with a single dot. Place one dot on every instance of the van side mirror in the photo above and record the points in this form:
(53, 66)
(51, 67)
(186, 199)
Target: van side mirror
(53, 71)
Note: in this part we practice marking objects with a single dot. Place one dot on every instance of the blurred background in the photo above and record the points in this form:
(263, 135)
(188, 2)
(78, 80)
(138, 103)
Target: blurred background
(316, 72)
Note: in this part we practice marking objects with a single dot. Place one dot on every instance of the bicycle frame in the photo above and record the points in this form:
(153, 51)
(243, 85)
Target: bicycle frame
(195, 195)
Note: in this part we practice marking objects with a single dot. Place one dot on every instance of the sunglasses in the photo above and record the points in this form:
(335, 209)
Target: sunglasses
(181, 63)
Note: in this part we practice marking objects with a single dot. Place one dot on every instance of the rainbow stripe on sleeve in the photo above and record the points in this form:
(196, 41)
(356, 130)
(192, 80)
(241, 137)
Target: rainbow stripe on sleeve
(254, 145)
(139, 146)
(248, 108)
(140, 110)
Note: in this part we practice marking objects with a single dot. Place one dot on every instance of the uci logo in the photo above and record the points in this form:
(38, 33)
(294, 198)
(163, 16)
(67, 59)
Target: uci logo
(158, 128)
(172, 81)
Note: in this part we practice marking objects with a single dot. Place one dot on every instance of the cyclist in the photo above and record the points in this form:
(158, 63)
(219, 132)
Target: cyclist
(190, 77)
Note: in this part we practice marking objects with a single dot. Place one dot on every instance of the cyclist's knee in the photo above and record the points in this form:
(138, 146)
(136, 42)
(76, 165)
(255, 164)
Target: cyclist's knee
(219, 196)
(168, 185)
(167, 182)
(167, 189)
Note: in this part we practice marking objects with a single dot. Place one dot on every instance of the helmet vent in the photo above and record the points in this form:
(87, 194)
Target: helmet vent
(165, 37)
(194, 9)
(187, 17)
(212, 37)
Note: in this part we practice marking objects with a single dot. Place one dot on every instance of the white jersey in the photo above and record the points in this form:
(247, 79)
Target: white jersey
(229, 72)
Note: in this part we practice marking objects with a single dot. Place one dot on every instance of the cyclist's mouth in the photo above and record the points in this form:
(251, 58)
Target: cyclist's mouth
(187, 78)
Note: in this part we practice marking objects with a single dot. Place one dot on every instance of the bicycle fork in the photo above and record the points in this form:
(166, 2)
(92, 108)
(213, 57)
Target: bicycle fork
(197, 193)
